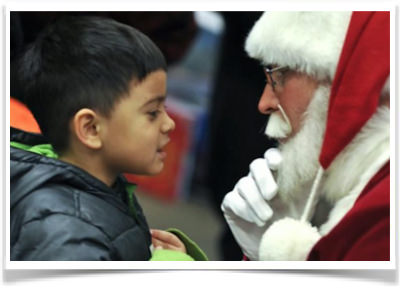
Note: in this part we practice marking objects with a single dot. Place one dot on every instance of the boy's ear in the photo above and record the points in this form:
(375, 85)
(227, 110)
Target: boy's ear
(86, 125)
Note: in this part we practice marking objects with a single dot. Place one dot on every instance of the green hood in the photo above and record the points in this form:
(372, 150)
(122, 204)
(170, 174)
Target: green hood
(41, 149)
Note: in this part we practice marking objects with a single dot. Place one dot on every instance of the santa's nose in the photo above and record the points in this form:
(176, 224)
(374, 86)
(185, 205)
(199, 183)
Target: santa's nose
(268, 101)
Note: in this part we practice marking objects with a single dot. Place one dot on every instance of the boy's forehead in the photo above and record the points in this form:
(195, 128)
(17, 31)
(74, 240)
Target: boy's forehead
(150, 89)
(155, 78)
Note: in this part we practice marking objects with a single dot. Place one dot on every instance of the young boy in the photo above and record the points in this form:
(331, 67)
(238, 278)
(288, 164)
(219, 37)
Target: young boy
(97, 90)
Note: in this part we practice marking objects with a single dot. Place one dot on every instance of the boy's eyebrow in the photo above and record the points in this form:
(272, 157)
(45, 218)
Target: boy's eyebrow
(159, 99)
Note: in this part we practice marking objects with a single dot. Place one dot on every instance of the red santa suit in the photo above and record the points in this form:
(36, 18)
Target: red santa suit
(352, 51)
(364, 232)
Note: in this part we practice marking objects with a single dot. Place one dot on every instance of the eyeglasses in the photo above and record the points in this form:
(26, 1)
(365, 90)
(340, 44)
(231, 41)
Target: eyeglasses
(276, 75)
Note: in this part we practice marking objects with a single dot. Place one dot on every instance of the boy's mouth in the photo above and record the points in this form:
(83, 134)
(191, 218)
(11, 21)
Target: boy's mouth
(160, 151)
(161, 154)
(161, 147)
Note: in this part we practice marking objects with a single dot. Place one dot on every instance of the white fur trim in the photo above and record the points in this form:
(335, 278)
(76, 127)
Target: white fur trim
(310, 42)
(361, 159)
(288, 240)
(355, 166)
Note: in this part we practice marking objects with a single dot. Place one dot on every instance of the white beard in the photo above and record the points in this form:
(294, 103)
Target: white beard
(301, 152)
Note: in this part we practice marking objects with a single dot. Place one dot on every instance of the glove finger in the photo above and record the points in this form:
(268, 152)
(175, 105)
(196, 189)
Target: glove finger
(248, 190)
(274, 158)
(264, 178)
(233, 203)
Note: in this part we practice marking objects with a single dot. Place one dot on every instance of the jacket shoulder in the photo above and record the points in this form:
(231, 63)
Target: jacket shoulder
(46, 200)
(85, 205)
(61, 237)
(56, 206)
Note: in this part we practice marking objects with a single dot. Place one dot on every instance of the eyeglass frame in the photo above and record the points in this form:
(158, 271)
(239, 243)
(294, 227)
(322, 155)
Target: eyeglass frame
(270, 74)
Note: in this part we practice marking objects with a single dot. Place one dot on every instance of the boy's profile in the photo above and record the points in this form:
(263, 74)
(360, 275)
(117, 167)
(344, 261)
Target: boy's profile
(97, 90)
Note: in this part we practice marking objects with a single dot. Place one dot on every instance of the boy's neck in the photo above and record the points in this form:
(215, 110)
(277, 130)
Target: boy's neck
(91, 164)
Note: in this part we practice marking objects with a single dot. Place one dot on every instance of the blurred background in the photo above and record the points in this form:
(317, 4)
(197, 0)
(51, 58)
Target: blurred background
(213, 91)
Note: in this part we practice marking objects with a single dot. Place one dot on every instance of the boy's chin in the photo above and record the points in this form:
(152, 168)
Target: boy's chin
(157, 169)
(154, 170)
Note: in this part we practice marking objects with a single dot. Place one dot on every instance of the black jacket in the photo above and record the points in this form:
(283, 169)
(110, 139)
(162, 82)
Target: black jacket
(60, 212)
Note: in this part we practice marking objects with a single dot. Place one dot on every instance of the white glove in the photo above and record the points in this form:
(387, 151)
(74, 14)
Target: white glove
(246, 209)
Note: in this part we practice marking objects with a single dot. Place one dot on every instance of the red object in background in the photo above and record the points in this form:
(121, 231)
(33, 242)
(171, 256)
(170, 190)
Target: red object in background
(21, 117)
(166, 184)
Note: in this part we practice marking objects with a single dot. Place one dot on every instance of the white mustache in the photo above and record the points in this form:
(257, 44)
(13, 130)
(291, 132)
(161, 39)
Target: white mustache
(278, 127)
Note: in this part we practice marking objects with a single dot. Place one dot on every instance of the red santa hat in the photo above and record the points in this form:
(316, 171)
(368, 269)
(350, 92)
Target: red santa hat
(361, 77)
(351, 49)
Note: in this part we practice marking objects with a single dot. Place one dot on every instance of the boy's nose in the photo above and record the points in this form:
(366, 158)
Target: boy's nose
(268, 101)
(169, 125)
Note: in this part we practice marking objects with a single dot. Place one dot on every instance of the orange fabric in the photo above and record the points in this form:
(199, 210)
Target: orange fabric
(21, 117)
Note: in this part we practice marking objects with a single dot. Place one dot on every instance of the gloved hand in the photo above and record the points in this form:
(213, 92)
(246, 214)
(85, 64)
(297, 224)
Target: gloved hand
(246, 208)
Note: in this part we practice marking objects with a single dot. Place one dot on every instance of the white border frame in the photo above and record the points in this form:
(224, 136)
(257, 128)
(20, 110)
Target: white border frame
(226, 265)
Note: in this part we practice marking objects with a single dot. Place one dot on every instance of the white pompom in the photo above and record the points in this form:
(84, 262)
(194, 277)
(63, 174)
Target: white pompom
(288, 240)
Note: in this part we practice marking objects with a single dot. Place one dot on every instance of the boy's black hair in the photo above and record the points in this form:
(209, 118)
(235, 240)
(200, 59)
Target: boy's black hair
(82, 62)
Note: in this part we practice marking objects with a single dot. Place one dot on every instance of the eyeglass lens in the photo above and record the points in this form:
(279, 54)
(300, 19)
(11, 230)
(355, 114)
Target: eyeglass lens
(277, 77)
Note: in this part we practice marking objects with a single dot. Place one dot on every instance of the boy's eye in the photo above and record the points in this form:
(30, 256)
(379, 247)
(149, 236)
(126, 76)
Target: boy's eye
(154, 114)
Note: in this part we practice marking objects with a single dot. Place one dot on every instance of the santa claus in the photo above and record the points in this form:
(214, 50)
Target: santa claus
(324, 194)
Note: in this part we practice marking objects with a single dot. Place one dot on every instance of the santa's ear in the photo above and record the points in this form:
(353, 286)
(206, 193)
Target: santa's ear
(86, 127)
